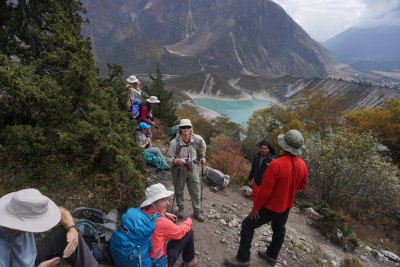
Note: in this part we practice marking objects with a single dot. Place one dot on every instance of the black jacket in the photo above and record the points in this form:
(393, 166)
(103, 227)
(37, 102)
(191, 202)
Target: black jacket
(258, 170)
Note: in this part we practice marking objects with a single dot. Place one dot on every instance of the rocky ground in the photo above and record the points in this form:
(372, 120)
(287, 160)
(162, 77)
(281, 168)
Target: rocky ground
(218, 236)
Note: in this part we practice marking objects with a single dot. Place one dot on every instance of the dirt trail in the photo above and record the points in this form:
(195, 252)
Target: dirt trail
(218, 236)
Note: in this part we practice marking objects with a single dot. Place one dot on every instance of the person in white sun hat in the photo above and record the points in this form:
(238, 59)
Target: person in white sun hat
(168, 239)
(26, 212)
(134, 91)
(185, 167)
(145, 114)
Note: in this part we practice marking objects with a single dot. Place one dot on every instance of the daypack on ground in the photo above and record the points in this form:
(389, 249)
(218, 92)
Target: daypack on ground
(131, 243)
(216, 179)
(96, 229)
(153, 160)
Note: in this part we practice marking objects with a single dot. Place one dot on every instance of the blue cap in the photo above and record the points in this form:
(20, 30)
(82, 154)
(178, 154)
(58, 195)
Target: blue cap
(143, 125)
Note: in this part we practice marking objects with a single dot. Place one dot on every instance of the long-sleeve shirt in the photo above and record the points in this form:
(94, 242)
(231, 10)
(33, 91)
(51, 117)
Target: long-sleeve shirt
(283, 177)
(166, 230)
(258, 166)
(144, 113)
(186, 150)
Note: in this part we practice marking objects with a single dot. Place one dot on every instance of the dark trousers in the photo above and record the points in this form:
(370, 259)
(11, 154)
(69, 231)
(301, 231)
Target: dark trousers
(53, 245)
(278, 222)
(184, 245)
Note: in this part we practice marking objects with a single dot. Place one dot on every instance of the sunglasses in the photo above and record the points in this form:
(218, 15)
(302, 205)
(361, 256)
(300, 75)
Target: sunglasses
(185, 127)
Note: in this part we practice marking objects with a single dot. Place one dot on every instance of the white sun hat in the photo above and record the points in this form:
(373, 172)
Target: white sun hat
(29, 211)
(155, 192)
(153, 99)
(185, 122)
(132, 79)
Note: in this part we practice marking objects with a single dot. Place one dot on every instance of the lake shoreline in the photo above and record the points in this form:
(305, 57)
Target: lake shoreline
(211, 114)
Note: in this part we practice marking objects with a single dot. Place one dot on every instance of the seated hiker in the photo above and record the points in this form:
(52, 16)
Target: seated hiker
(145, 114)
(26, 212)
(168, 238)
(145, 142)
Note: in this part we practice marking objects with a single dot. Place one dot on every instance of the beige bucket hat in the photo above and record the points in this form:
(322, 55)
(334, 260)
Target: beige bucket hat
(28, 210)
(155, 192)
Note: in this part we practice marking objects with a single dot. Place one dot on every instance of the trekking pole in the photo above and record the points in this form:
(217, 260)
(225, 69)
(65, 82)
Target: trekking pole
(176, 182)
(201, 183)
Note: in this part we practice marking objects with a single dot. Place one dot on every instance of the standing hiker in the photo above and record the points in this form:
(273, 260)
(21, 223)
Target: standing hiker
(283, 177)
(134, 91)
(182, 156)
(259, 164)
(145, 113)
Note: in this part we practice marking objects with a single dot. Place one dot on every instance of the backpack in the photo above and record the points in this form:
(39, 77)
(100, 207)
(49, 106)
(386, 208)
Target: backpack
(96, 229)
(174, 130)
(135, 108)
(216, 179)
(153, 160)
(131, 243)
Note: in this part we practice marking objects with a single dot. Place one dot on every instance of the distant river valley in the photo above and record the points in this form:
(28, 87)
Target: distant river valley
(238, 111)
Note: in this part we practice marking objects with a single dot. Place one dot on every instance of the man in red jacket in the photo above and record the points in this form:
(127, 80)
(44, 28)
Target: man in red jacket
(284, 176)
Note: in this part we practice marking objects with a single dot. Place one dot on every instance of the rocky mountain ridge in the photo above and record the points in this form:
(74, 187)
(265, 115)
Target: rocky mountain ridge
(254, 37)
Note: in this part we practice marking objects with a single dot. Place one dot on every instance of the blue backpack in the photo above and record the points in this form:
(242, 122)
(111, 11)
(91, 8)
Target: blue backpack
(131, 243)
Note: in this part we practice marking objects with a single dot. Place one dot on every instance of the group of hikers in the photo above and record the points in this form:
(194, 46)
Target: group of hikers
(274, 179)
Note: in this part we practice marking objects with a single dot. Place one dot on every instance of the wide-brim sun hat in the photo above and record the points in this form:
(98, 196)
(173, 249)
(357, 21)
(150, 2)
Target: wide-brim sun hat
(132, 79)
(28, 210)
(153, 100)
(143, 125)
(155, 192)
(185, 122)
(292, 142)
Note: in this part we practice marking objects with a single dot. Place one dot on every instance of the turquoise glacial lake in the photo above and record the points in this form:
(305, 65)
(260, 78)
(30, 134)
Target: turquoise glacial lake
(238, 111)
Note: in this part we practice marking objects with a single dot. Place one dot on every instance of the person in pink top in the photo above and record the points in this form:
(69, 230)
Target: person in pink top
(283, 177)
(168, 239)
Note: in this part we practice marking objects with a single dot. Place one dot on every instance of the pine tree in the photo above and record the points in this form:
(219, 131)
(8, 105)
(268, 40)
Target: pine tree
(166, 110)
(58, 123)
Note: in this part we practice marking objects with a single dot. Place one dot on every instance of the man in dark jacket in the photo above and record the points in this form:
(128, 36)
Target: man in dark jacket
(259, 164)
(283, 177)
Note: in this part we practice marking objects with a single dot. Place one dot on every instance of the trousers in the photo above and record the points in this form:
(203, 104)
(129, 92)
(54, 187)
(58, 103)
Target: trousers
(278, 222)
(185, 245)
(53, 245)
(181, 176)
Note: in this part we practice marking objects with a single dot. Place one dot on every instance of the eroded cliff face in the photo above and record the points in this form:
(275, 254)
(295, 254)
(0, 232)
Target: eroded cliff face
(252, 37)
(282, 90)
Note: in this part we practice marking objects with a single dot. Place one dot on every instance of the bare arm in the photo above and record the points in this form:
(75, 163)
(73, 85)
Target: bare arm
(72, 233)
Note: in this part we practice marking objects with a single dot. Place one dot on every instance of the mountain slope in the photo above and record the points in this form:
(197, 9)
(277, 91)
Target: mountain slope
(369, 48)
(233, 37)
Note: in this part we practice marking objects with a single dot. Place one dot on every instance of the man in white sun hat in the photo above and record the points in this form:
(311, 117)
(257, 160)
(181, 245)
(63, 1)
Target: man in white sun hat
(283, 177)
(26, 212)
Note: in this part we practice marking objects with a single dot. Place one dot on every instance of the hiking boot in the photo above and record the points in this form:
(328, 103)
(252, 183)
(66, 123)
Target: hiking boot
(180, 214)
(234, 262)
(263, 255)
(198, 216)
(191, 263)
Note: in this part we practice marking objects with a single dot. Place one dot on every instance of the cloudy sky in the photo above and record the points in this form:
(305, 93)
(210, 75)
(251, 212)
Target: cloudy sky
(323, 19)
